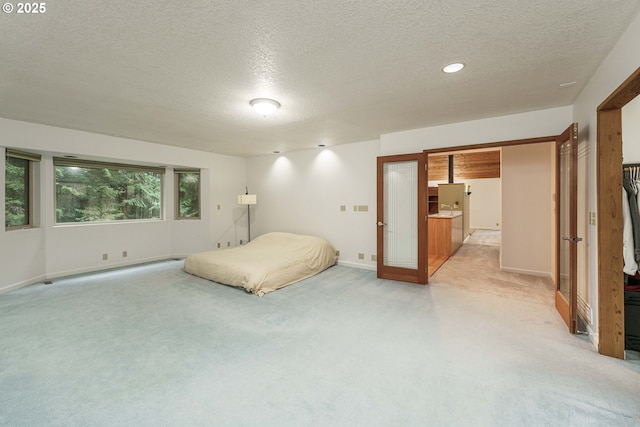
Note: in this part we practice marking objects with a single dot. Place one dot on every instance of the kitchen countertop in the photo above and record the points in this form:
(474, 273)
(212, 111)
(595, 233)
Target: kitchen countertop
(446, 214)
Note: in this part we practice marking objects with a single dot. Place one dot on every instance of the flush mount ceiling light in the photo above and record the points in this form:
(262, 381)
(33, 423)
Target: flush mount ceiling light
(264, 106)
(453, 68)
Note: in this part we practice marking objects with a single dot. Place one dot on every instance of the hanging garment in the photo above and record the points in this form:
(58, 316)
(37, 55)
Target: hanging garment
(630, 264)
(630, 187)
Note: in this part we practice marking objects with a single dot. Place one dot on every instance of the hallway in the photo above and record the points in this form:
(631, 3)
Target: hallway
(476, 268)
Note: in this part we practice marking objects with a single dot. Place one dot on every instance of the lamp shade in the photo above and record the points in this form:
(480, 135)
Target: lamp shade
(247, 199)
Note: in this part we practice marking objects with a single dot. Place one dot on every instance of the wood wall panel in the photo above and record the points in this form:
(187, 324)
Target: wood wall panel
(438, 168)
(482, 164)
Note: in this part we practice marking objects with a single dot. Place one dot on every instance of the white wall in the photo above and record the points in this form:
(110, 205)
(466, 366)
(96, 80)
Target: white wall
(631, 131)
(302, 192)
(50, 251)
(505, 128)
(484, 203)
(526, 172)
(621, 62)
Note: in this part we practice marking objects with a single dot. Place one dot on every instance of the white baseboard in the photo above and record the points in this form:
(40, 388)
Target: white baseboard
(544, 274)
(22, 284)
(358, 265)
(593, 336)
(92, 269)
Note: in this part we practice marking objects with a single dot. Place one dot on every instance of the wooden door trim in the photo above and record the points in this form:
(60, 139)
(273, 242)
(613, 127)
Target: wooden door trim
(396, 273)
(497, 144)
(609, 208)
(609, 230)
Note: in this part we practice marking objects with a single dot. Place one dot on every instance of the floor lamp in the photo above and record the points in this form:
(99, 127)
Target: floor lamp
(248, 199)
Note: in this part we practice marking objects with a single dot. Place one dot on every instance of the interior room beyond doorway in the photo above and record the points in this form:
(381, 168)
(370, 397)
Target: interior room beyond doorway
(476, 268)
(518, 211)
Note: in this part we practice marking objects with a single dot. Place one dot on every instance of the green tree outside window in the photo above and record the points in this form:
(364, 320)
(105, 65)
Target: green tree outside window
(16, 201)
(188, 184)
(88, 194)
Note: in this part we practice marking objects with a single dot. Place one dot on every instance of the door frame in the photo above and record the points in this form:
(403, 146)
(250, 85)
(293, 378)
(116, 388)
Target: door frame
(609, 211)
(419, 275)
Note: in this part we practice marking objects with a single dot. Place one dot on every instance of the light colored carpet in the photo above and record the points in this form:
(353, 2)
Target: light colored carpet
(154, 346)
(476, 268)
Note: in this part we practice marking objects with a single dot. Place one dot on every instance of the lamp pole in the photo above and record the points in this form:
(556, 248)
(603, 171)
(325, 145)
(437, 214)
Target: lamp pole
(246, 191)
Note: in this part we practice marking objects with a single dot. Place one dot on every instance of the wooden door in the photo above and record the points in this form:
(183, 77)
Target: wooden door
(402, 218)
(566, 296)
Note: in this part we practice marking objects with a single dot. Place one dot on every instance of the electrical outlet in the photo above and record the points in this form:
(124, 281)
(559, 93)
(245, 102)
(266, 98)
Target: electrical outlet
(124, 254)
(343, 208)
(592, 218)
(218, 207)
(360, 256)
(374, 257)
(218, 244)
(241, 241)
(228, 243)
(337, 253)
(105, 257)
(363, 208)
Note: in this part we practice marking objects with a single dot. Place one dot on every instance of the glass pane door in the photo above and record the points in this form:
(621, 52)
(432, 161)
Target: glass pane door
(567, 226)
(401, 214)
(564, 265)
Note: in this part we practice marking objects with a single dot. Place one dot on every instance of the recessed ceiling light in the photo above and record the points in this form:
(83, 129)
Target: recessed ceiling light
(568, 84)
(453, 68)
(264, 106)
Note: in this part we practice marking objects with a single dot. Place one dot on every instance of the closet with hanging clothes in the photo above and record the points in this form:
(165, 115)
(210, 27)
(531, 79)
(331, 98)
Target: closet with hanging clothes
(631, 254)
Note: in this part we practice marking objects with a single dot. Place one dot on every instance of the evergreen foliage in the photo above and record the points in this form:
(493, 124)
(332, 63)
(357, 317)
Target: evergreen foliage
(189, 195)
(16, 200)
(85, 194)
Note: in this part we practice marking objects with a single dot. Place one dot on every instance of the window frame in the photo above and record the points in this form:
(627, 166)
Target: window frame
(176, 198)
(93, 164)
(31, 158)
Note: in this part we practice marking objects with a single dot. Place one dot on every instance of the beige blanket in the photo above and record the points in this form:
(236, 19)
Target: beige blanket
(265, 264)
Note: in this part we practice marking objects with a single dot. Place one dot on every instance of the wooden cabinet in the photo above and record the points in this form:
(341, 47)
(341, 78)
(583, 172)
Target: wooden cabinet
(433, 200)
(445, 235)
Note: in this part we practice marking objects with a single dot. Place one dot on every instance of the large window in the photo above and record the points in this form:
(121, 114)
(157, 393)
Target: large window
(18, 200)
(98, 192)
(187, 185)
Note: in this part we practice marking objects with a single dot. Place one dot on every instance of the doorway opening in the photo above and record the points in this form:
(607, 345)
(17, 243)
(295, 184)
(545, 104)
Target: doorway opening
(522, 193)
(462, 183)
(611, 321)
(494, 200)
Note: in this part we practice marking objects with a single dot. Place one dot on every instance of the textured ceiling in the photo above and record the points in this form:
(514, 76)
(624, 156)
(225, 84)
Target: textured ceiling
(182, 73)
